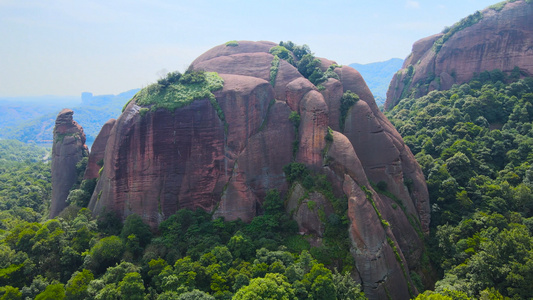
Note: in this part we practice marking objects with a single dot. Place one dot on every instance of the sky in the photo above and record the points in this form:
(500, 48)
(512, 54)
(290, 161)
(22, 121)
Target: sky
(65, 47)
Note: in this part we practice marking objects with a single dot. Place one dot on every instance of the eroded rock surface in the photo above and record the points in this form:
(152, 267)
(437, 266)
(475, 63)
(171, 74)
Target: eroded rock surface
(96, 156)
(157, 161)
(68, 149)
(500, 40)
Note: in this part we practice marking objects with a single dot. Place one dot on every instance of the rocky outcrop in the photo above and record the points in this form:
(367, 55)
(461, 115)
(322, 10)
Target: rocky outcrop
(96, 156)
(68, 149)
(224, 154)
(500, 38)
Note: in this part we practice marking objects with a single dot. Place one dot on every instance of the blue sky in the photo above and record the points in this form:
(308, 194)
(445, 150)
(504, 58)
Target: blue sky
(64, 47)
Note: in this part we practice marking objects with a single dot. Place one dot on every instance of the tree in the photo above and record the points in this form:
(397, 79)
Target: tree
(240, 246)
(10, 293)
(272, 286)
(105, 253)
(346, 288)
(195, 295)
(52, 292)
(76, 287)
(132, 287)
(460, 168)
(135, 225)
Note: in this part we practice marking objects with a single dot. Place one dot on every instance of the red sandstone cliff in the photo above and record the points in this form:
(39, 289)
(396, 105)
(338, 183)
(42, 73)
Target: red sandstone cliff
(158, 161)
(499, 40)
(96, 156)
(68, 149)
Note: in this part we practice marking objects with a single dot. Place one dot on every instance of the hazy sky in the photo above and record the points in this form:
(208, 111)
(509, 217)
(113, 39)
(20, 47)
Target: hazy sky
(65, 47)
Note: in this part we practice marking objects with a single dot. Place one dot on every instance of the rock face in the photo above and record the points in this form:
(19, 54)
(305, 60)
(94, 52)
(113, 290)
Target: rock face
(157, 161)
(68, 149)
(501, 39)
(96, 157)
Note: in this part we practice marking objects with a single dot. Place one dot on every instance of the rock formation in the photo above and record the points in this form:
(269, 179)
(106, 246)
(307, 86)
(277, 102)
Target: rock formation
(499, 37)
(68, 149)
(96, 157)
(223, 153)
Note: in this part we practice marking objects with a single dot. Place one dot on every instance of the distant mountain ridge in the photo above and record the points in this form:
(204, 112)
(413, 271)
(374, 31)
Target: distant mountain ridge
(31, 119)
(378, 75)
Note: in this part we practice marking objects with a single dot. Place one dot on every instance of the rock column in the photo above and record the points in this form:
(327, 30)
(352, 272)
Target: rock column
(68, 149)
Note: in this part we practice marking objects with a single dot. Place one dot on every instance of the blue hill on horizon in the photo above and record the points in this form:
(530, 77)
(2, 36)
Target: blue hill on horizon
(378, 76)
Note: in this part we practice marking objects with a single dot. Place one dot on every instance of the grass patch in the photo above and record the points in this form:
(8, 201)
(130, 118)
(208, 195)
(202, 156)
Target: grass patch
(347, 101)
(232, 44)
(191, 86)
(274, 70)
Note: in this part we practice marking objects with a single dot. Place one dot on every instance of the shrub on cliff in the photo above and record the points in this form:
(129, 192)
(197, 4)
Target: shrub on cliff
(177, 91)
(347, 101)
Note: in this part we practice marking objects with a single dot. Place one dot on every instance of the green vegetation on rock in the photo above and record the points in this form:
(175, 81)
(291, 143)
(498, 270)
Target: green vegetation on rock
(462, 24)
(274, 70)
(304, 60)
(232, 44)
(347, 101)
(177, 90)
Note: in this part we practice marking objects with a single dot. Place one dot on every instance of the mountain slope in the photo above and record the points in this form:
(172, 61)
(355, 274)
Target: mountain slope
(249, 117)
(499, 37)
(475, 145)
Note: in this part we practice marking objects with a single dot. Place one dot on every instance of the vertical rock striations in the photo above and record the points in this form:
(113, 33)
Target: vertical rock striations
(499, 37)
(68, 149)
(222, 153)
(96, 157)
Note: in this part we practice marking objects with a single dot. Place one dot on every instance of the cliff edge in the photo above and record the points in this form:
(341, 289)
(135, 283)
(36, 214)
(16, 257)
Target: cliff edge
(219, 136)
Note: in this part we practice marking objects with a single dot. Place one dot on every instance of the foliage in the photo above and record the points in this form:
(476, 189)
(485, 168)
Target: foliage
(298, 51)
(272, 286)
(131, 287)
(281, 52)
(105, 253)
(52, 292)
(178, 90)
(347, 101)
(309, 67)
(232, 44)
(274, 70)
(474, 144)
(13, 151)
(191, 256)
(76, 287)
(464, 23)
(303, 59)
(10, 293)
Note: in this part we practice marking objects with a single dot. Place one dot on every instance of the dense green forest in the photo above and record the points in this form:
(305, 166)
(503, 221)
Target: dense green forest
(474, 143)
(193, 256)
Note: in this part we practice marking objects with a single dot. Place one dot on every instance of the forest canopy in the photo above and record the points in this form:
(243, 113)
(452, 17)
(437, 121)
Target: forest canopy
(474, 143)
